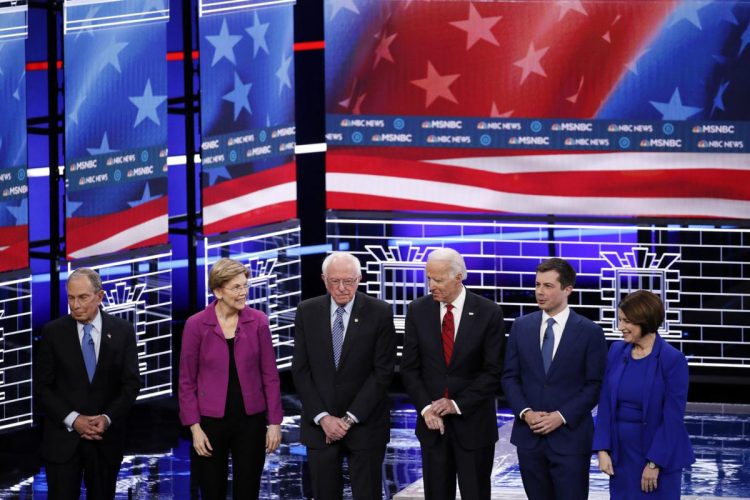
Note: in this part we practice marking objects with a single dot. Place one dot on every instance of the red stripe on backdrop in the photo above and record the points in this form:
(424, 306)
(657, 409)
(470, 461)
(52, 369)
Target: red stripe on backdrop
(179, 56)
(16, 256)
(349, 201)
(83, 232)
(264, 215)
(249, 184)
(626, 183)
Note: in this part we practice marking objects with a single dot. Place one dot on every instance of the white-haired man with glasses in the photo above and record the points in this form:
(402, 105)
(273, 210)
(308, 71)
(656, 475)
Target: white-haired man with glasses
(344, 357)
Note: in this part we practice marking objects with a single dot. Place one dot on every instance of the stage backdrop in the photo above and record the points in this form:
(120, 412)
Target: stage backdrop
(575, 107)
(14, 215)
(115, 125)
(247, 114)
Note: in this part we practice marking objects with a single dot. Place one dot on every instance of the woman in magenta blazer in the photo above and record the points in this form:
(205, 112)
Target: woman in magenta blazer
(640, 434)
(229, 391)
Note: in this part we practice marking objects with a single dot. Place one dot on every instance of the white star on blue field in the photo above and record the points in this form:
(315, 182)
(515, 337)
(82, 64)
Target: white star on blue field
(144, 199)
(238, 96)
(20, 212)
(147, 104)
(674, 109)
(224, 44)
(258, 33)
(103, 148)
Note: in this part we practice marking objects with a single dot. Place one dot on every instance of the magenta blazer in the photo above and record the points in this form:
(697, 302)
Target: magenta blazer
(204, 367)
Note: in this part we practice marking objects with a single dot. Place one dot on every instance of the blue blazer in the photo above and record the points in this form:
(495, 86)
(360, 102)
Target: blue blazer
(571, 386)
(665, 436)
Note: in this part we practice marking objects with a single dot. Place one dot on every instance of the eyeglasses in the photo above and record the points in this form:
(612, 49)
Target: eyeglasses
(348, 282)
(238, 289)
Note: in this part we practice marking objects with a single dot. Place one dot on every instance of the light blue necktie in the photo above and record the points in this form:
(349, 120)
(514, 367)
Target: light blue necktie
(89, 352)
(548, 344)
(338, 335)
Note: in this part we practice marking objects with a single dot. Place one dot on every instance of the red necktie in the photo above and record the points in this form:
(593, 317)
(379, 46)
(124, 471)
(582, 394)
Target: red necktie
(448, 331)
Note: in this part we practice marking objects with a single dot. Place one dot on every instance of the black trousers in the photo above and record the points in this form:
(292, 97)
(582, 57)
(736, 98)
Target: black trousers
(445, 460)
(97, 464)
(365, 471)
(245, 438)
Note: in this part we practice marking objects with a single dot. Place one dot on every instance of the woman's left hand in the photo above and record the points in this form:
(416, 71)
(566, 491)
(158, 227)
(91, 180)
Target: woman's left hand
(273, 438)
(649, 479)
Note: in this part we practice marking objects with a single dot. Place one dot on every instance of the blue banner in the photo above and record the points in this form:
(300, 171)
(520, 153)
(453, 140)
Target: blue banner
(247, 112)
(14, 214)
(115, 132)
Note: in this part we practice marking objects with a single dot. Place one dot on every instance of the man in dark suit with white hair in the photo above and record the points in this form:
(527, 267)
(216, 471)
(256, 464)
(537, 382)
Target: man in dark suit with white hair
(451, 369)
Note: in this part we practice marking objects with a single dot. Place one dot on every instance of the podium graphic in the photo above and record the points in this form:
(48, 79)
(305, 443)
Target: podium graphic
(641, 269)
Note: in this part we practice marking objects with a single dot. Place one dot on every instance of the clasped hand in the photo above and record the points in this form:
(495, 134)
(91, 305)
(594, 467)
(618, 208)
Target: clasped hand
(334, 427)
(91, 427)
(434, 414)
(542, 422)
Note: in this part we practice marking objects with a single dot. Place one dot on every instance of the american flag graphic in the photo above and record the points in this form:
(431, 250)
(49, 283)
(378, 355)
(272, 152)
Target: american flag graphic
(247, 107)
(115, 134)
(655, 63)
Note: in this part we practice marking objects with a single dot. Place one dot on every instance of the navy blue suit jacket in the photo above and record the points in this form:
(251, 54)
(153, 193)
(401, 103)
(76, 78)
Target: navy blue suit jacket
(571, 386)
(664, 399)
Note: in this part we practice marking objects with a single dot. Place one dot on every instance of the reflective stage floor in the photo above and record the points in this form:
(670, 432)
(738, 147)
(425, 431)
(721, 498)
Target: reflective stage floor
(158, 465)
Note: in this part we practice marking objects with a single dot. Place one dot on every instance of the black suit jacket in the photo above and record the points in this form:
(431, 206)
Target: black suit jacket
(62, 385)
(473, 376)
(360, 383)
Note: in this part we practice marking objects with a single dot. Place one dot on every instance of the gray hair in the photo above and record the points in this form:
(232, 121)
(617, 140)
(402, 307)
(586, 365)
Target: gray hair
(453, 258)
(89, 274)
(353, 260)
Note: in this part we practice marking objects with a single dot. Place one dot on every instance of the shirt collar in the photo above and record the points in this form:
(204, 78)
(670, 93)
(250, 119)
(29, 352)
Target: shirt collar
(458, 302)
(561, 318)
(96, 322)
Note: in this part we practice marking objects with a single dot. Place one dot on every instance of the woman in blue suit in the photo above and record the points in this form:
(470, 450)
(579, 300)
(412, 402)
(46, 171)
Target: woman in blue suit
(640, 433)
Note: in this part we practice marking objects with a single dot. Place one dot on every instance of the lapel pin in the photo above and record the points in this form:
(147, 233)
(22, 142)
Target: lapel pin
(356, 320)
(109, 335)
(471, 314)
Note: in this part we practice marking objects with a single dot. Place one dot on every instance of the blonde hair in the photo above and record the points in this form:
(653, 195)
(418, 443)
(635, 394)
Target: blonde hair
(223, 271)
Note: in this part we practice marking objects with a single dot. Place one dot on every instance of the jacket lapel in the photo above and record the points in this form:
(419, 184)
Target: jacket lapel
(105, 344)
(531, 339)
(244, 323)
(74, 346)
(465, 326)
(357, 315)
(324, 334)
(653, 363)
(568, 342)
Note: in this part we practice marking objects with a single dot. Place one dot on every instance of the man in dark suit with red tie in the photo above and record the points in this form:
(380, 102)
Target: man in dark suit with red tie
(451, 369)
(344, 357)
(86, 381)
(553, 372)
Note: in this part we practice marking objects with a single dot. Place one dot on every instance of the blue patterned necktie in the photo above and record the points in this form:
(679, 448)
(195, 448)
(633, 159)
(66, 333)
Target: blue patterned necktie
(89, 352)
(548, 344)
(338, 335)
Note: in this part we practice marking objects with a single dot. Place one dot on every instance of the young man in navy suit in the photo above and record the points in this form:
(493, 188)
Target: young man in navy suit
(451, 369)
(86, 381)
(554, 366)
